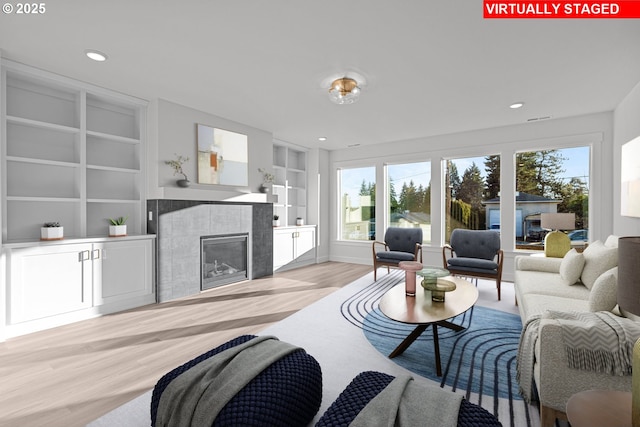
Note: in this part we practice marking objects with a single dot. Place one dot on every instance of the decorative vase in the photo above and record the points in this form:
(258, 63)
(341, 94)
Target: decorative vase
(51, 233)
(184, 183)
(117, 230)
(276, 223)
(264, 188)
(299, 221)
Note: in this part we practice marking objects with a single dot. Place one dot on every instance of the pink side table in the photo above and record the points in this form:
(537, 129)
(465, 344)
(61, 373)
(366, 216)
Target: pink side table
(410, 268)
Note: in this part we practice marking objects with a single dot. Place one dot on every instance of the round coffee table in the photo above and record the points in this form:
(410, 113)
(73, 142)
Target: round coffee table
(422, 311)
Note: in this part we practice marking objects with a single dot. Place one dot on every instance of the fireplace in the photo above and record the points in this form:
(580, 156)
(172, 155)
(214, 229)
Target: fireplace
(223, 259)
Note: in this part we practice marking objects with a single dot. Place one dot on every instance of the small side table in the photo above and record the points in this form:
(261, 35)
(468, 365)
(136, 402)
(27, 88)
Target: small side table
(597, 408)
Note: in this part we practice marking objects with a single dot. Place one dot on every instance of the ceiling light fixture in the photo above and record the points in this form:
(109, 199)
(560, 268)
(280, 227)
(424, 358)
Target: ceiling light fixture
(516, 105)
(344, 91)
(96, 55)
(322, 138)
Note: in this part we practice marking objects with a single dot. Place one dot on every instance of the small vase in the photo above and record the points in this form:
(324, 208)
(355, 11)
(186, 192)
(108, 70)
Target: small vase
(276, 223)
(264, 188)
(51, 233)
(117, 230)
(184, 183)
(299, 221)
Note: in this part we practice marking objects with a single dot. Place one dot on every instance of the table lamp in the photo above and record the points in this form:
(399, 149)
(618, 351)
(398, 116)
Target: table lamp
(557, 243)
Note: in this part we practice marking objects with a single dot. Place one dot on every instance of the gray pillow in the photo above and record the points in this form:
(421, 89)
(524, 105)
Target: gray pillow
(598, 258)
(604, 293)
(571, 267)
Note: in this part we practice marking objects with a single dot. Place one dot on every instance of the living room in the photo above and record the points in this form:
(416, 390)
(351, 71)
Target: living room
(437, 83)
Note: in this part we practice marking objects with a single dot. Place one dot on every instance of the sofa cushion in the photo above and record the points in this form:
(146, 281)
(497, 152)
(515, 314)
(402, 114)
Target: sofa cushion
(571, 267)
(604, 292)
(539, 282)
(538, 263)
(598, 258)
(534, 305)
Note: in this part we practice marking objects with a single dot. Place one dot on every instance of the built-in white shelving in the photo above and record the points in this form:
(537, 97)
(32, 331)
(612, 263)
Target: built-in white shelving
(72, 153)
(290, 185)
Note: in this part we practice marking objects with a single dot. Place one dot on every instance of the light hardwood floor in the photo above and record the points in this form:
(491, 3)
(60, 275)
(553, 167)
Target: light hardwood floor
(71, 375)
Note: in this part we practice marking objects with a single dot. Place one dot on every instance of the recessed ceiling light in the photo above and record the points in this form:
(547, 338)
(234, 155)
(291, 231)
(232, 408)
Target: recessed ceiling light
(322, 138)
(96, 55)
(516, 105)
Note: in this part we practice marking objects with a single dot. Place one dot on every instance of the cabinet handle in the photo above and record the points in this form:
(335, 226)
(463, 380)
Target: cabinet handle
(84, 256)
(95, 254)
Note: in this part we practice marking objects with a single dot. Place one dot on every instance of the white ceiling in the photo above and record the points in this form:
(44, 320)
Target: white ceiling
(431, 67)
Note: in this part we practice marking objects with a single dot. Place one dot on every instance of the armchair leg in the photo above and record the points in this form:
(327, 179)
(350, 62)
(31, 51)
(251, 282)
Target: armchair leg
(498, 286)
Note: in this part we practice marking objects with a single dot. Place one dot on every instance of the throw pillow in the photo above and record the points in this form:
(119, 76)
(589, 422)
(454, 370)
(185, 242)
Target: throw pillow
(597, 259)
(604, 293)
(571, 267)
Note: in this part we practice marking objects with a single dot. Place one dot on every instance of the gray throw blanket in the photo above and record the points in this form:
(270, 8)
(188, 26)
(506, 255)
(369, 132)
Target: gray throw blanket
(599, 342)
(195, 397)
(405, 404)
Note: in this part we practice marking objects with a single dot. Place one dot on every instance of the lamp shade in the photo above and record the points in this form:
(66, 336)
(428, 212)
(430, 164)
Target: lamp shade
(558, 221)
(629, 275)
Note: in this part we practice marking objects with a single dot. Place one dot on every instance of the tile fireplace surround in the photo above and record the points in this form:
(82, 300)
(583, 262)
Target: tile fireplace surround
(178, 226)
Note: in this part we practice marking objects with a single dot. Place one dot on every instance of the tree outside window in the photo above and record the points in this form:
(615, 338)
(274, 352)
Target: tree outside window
(358, 203)
(409, 187)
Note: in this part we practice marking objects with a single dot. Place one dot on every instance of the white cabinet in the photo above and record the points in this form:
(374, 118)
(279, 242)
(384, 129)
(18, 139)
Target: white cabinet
(293, 247)
(48, 281)
(290, 185)
(54, 284)
(123, 271)
(72, 153)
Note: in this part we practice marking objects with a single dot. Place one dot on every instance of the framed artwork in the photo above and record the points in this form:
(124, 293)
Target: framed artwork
(223, 157)
(630, 174)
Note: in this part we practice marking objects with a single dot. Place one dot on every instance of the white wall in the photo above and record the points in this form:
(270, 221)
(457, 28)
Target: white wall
(172, 130)
(626, 127)
(594, 129)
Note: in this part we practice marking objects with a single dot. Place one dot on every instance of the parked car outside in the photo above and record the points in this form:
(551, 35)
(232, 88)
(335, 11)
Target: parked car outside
(536, 234)
(579, 235)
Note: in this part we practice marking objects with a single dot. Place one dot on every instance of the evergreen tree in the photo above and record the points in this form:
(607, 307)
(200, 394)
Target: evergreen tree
(393, 197)
(471, 187)
(538, 173)
(454, 179)
(492, 182)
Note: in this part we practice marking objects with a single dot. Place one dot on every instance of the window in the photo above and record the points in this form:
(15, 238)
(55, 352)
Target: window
(471, 193)
(358, 203)
(409, 196)
(551, 181)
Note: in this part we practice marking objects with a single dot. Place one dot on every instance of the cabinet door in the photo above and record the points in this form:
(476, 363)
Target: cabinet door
(122, 270)
(283, 248)
(305, 244)
(47, 281)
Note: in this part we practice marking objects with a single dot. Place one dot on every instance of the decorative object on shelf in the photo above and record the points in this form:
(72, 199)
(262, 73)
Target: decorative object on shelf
(431, 281)
(557, 243)
(299, 221)
(276, 221)
(177, 169)
(267, 178)
(117, 227)
(344, 91)
(51, 231)
(223, 157)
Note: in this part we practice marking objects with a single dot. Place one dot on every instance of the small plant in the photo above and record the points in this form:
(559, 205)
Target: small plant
(276, 217)
(118, 221)
(267, 177)
(51, 224)
(177, 165)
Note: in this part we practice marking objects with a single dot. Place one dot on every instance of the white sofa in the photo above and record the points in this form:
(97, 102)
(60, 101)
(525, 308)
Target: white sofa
(578, 282)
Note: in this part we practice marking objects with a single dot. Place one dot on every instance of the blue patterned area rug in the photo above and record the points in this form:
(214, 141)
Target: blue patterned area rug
(479, 361)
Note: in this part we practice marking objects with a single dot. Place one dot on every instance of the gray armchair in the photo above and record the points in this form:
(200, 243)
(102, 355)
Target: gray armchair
(474, 253)
(400, 244)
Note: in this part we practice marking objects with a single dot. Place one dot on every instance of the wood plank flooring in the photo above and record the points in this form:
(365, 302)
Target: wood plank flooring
(71, 375)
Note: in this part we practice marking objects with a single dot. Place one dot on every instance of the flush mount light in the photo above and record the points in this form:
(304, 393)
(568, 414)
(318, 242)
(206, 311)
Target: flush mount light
(344, 91)
(516, 105)
(322, 138)
(96, 55)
